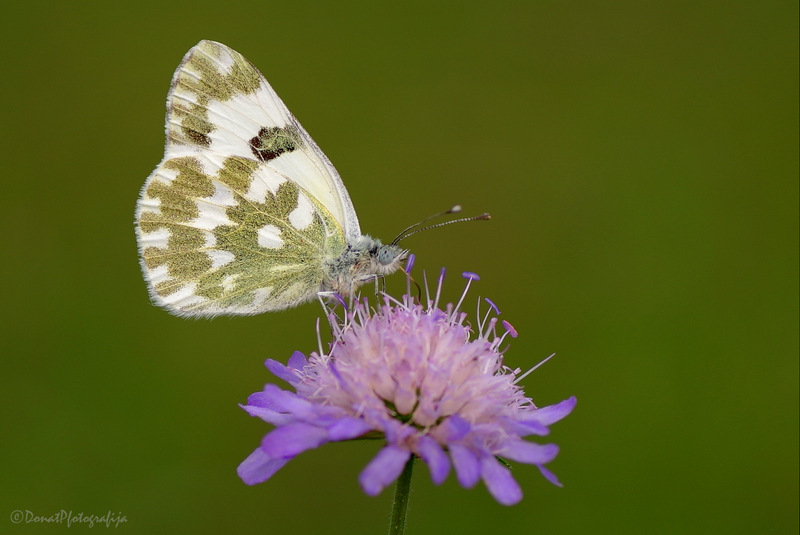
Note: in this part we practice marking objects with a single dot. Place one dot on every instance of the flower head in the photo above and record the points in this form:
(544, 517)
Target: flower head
(421, 378)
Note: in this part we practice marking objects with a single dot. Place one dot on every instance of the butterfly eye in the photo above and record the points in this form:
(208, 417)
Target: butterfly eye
(386, 255)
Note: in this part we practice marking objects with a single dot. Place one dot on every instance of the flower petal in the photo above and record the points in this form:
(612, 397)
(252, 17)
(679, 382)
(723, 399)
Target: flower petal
(528, 427)
(269, 415)
(553, 413)
(437, 460)
(262, 400)
(297, 361)
(281, 371)
(292, 439)
(347, 428)
(528, 452)
(384, 468)
(500, 482)
(551, 477)
(277, 399)
(258, 467)
(455, 427)
(467, 465)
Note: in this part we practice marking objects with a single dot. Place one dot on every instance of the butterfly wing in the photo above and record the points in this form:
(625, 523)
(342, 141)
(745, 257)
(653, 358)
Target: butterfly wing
(244, 209)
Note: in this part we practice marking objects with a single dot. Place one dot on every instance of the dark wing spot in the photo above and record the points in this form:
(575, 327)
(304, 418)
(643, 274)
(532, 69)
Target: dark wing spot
(271, 142)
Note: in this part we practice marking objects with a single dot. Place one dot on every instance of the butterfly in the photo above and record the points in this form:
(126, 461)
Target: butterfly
(245, 214)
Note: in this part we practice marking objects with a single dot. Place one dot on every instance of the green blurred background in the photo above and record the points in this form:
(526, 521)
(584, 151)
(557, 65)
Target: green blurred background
(640, 161)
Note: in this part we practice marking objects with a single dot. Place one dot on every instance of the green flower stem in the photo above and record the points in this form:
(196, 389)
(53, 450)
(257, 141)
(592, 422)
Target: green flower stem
(402, 489)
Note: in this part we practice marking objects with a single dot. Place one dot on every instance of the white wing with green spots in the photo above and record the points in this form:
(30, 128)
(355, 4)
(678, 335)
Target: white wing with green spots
(245, 214)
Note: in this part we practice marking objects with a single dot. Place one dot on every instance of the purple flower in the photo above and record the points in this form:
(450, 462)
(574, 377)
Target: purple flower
(422, 379)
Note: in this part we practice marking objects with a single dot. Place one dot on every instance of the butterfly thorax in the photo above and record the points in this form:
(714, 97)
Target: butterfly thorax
(362, 261)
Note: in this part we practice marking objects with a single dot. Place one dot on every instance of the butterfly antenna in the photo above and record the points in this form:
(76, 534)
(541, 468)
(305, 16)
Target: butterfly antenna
(417, 227)
(454, 210)
(437, 225)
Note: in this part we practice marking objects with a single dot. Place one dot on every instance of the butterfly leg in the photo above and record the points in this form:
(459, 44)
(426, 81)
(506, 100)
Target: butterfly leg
(380, 282)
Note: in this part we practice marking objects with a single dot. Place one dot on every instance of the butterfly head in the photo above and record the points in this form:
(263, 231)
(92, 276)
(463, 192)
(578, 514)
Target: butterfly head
(377, 258)
(367, 258)
(363, 261)
(387, 258)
